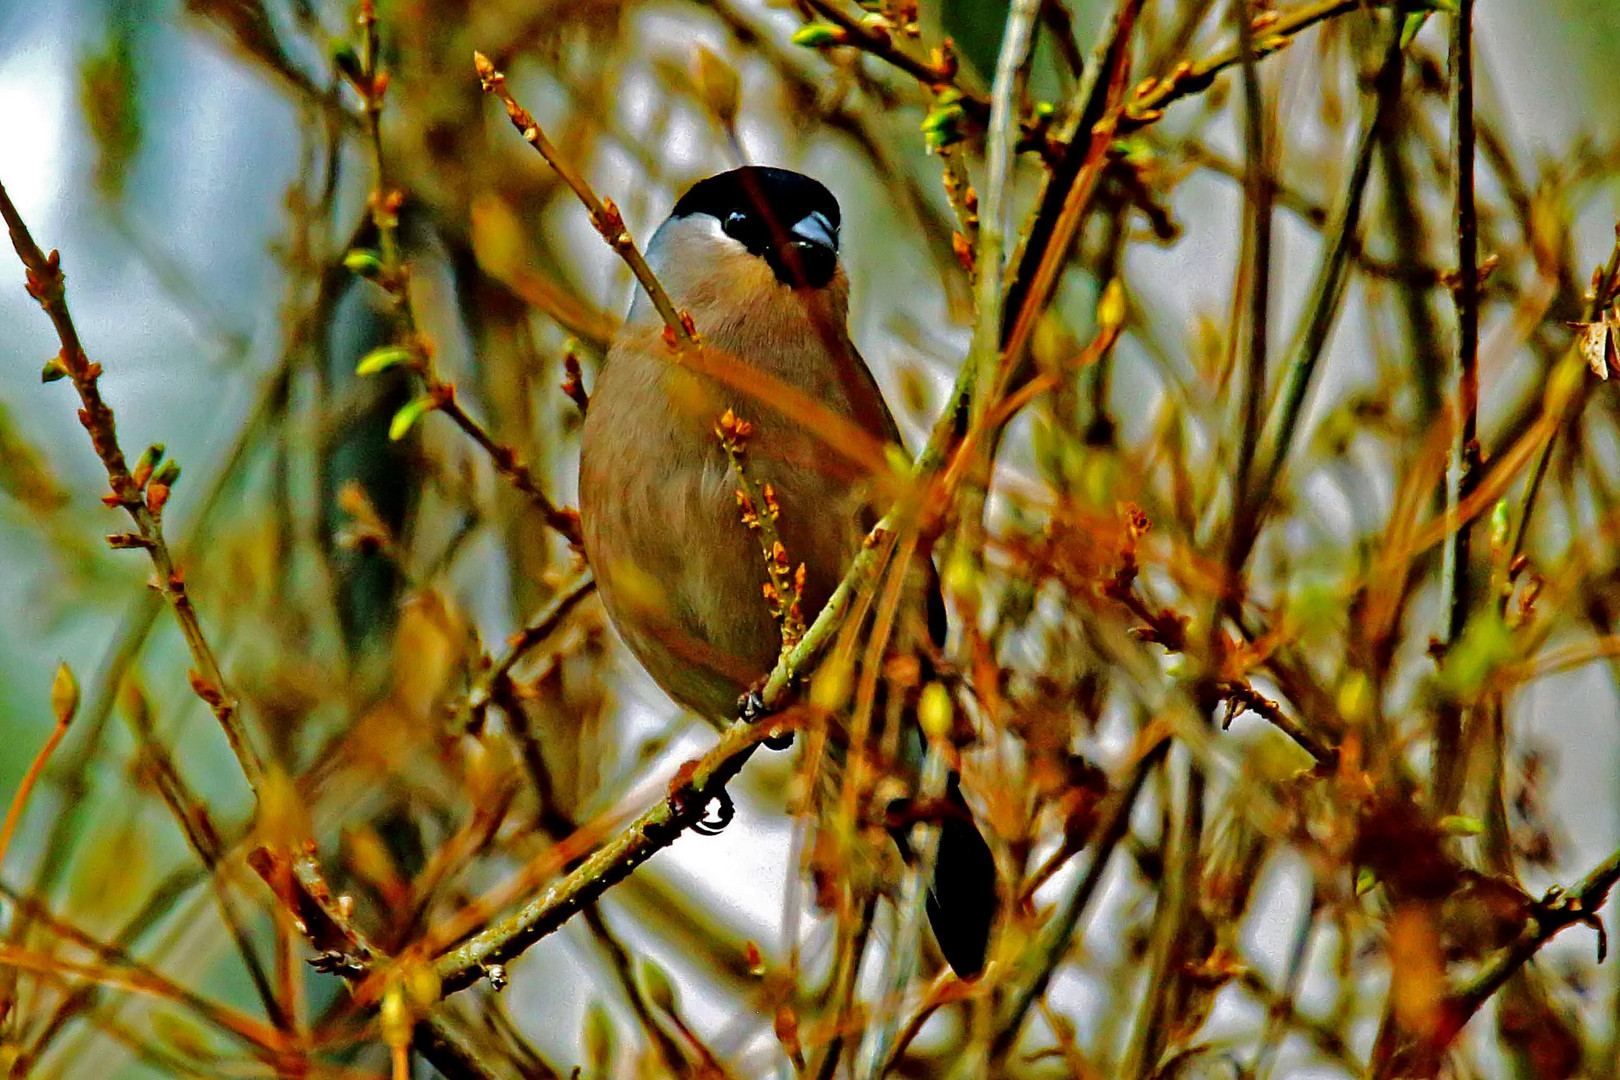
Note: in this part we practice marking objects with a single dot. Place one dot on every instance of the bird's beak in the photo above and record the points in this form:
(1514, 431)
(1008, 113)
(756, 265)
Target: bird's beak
(812, 250)
(815, 229)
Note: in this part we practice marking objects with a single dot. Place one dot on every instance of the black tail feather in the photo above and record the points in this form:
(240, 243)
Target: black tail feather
(962, 901)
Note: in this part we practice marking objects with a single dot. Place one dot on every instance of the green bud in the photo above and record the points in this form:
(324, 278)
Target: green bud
(148, 461)
(366, 264)
(943, 126)
(347, 61)
(380, 360)
(409, 414)
(1500, 524)
(818, 36)
(53, 370)
(167, 473)
(656, 985)
(1458, 825)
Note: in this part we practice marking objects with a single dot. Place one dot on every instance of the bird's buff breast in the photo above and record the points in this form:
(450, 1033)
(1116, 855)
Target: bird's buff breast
(680, 574)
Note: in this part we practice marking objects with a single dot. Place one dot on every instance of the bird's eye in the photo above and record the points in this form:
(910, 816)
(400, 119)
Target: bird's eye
(736, 224)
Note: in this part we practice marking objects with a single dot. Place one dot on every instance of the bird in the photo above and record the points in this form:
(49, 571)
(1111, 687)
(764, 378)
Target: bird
(752, 256)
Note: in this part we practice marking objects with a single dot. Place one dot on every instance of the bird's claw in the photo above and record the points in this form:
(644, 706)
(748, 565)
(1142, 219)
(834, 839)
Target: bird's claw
(337, 962)
(751, 706)
(724, 811)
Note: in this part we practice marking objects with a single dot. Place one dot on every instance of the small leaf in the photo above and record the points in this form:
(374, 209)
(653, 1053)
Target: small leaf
(409, 414)
(380, 360)
(598, 1038)
(1486, 644)
(718, 85)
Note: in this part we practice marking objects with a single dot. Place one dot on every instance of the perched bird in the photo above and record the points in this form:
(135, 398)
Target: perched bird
(752, 256)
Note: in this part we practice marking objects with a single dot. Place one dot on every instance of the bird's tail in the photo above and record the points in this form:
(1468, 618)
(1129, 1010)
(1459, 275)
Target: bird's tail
(962, 899)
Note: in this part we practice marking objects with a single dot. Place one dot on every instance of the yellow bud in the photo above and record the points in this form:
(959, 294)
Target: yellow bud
(394, 1015)
(1111, 307)
(1566, 380)
(830, 687)
(283, 823)
(497, 235)
(717, 84)
(962, 574)
(421, 986)
(1355, 698)
(64, 694)
(934, 711)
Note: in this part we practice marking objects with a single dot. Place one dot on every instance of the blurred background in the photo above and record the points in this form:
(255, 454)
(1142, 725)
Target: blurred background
(203, 169)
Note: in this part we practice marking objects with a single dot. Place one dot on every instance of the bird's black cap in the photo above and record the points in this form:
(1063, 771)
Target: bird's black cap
(758, 206)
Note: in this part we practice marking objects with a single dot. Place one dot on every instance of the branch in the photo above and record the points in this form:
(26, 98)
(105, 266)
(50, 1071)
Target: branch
(657, 827)
(875, 37)
(1327, 293)
(1465, 461)
(1556, 911)
(604, 213)
(497, 678)
(1186, 79)
(390, 271)
(142, 498)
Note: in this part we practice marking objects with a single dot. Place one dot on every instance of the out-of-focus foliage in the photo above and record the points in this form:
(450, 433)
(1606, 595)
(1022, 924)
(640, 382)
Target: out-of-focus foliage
(1278, 774)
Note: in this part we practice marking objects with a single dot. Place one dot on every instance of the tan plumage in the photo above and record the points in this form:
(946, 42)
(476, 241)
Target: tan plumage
(752, 257)
(680, 575)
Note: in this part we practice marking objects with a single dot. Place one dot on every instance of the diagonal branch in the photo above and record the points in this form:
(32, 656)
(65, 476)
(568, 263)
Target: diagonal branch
(141, 498)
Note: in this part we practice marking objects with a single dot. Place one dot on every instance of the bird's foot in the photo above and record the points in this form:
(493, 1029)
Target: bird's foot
(751, 708)
(722, 809)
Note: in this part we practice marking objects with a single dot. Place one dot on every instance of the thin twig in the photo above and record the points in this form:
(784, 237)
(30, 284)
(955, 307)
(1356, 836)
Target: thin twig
(1327, 292)
(657, 827)
(1153, 97)
(604, 213)
(19, 801)
(1258, 198)
(497, 678)
(1604, 285)
(1558, 910)
(1465, 460)
(141, 500)
(394, 276)
(937, 72)
(1057, 935)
